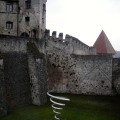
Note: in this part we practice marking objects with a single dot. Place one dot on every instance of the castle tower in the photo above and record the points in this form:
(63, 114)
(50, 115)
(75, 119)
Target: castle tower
(23, 17)
(103, 45)
(32, 18)
(9, 17)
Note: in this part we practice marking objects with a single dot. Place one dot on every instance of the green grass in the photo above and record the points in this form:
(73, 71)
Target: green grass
(80, 107)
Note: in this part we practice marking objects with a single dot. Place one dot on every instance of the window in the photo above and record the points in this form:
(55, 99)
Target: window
(27, 19)
(34, 33)
(24, 34)
(42, 20)
(9, 7)
(28, 4)
(9, 25)
(44, 7)
(43, 13)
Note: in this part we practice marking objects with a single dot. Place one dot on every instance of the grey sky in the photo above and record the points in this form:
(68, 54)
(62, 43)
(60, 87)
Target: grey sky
(85, 19)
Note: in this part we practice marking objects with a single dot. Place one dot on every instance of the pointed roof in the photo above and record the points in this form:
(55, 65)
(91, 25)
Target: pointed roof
(103, 44)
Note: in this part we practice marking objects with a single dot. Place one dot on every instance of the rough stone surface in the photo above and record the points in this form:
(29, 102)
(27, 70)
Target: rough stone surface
(16, 79)
(34, 27)
(20, 78)
(37, 15)
(3, 107)
(116, 75)
(18, 44)
(72, 67)
(72, 73)
(8, 17)
(37, 73)
(70, 45)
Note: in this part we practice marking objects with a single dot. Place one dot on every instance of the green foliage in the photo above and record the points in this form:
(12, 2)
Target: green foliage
(80, 107)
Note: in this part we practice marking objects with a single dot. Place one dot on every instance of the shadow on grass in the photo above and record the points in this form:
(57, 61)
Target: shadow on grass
(80, 107)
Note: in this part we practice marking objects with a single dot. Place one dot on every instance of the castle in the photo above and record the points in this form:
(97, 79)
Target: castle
(23, 17)
(33, 62)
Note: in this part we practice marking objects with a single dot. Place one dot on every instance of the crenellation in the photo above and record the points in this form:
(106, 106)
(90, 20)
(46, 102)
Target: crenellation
(54, 33)
(61, 36)
(69, 42)
(47, 32)
(67, 36)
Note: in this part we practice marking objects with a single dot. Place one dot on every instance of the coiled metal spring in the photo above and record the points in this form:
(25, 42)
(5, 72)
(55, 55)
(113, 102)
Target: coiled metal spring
(56, 103)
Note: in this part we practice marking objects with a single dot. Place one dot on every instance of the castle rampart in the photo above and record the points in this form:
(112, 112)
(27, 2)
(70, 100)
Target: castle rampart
(69, 65)
(3, 106)
(82, 73)
(24, 70)
(72, 44)
(116, 75)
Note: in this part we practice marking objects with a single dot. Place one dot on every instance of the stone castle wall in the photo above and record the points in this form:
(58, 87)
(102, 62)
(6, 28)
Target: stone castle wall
(37, 16)
(3, 106)
(30, 22)
(74, 73)
(70, 45)
(116, 75)
(17, 79)
(17, 83)
(8, 17)
(37, 73)
(69, 65)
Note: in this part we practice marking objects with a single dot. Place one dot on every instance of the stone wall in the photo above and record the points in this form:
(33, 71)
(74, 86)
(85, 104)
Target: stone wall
(72, 67)
(16, 79)
(37, 73)
(116, 75)
(3, 107)
(8, 17)
(16, 76)
(29, 22)
(72, 73)
(19, 44)
(80, 74)
(70, 44)
(19, 63)
(36, 25)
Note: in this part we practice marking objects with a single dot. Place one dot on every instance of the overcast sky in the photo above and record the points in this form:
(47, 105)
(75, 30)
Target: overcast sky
(85, 19)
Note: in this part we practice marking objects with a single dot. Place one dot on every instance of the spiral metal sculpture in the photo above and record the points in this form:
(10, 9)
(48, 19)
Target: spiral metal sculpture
(56, 103)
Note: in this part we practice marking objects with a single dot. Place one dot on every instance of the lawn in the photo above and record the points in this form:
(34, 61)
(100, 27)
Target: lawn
(80, 107)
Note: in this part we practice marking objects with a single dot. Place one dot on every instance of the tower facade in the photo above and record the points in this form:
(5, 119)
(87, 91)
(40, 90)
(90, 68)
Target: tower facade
(23, 17)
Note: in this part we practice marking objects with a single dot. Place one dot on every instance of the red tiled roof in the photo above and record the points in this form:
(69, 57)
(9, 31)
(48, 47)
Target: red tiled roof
(103, 45)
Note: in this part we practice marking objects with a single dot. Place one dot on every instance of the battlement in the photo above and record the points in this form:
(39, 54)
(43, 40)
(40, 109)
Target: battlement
(76, 46)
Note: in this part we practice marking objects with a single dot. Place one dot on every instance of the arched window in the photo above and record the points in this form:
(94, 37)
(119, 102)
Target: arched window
(9, 25)
(24, 34)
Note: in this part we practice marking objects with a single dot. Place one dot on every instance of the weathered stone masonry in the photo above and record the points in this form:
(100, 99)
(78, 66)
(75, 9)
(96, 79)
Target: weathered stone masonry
(3, 106)
(37, 73)
(116, 75)
(21, 85)
(69, 65)
(8, 17)
(27, 17)
(68, 69)
(77, 69)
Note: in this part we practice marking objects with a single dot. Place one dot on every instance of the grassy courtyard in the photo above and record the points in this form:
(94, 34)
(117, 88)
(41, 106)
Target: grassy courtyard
(80, 107)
